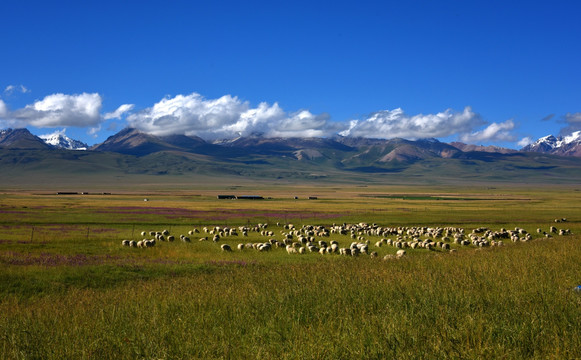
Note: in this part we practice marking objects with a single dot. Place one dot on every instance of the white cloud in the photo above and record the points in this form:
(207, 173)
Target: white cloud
(525, 141)
(53, 134)
(121, 110)
(225, 117)
(492, 133)
(10, 89)
(3, 109)
(94, 131)
(228, 117)
(395, 123)
(58, 110)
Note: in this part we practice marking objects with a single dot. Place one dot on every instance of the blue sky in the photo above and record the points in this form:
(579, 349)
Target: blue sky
(483, 72)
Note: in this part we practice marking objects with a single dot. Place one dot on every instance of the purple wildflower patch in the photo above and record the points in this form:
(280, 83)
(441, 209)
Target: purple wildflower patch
(215, 214)
(52, 260)
(49, 260)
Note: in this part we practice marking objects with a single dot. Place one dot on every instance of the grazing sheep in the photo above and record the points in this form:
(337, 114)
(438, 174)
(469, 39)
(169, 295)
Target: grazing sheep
(133, 243)
(170, 238)
(240, 247)
(345, 251)
(334, 248)
(226, 247)
(265, 247)
(373, 255)
(400, 253)
(125, 242)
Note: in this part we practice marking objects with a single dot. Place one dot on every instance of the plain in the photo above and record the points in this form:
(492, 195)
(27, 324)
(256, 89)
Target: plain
(71, 290)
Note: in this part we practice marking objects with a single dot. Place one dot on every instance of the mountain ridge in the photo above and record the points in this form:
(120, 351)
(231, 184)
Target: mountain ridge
(134, 153)
(135, 142)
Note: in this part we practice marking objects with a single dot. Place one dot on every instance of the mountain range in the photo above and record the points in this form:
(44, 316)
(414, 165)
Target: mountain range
(134, 152)
(135, 142)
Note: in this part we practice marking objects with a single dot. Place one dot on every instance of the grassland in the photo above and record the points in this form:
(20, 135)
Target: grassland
(68, 289)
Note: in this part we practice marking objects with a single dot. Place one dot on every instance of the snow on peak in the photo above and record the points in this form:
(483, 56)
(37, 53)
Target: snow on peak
(548, 140)
(574, 137)
(59, 140)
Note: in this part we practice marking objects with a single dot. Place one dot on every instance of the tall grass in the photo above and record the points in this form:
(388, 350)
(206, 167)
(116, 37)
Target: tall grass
(68, 289)
(514, 302)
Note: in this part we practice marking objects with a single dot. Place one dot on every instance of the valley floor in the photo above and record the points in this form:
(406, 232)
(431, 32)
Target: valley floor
(69, 289)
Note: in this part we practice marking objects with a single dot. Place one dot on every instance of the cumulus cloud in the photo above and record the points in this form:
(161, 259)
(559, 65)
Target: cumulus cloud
(121, 110)
(573, 121)
(525, 141)
(54, 133)
(3, 109)
(10, 89)
(225, 117)
(396, 123)
(495, 132)
(59, 110)
(228, 117)
(94, 131)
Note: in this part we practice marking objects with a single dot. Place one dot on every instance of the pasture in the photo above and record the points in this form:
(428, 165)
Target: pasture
(69, 289)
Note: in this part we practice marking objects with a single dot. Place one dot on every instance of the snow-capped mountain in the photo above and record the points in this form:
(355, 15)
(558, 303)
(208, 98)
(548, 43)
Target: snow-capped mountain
(562, 145)
(61, 141)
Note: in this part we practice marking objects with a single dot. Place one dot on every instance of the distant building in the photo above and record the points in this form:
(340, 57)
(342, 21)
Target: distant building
(250, 197)
(227, 197)
(313, 198)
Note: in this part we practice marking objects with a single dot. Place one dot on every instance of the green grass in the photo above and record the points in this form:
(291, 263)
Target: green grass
(68, 289)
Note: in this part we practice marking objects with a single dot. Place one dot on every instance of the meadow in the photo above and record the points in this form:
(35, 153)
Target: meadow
(70, 290)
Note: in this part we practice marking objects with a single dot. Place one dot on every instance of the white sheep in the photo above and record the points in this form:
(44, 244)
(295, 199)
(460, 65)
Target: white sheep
(290, 249)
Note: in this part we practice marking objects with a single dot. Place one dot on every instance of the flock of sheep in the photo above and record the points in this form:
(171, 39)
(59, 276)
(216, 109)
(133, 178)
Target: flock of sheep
(316, 239)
